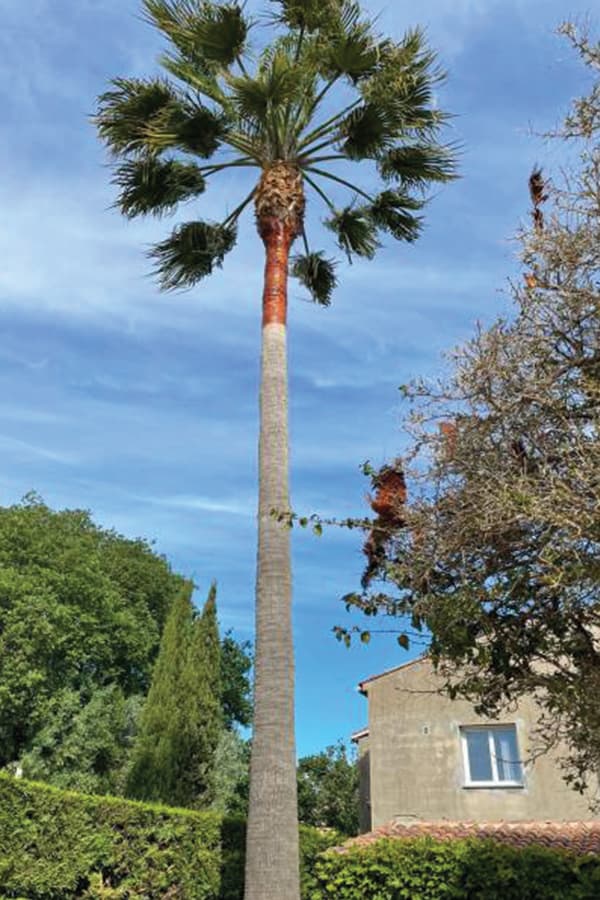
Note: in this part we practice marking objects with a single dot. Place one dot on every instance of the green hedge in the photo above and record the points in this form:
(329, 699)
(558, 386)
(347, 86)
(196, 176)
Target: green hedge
(59, 845)
(424, 869)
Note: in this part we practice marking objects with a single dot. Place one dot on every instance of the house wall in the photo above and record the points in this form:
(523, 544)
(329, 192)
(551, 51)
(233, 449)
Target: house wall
(416, 763)
(364, 790)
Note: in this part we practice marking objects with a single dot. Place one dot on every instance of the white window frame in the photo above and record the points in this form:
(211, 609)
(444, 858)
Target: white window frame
(496, 782)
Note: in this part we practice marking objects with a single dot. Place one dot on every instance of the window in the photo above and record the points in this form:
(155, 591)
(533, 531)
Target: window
(491, 756)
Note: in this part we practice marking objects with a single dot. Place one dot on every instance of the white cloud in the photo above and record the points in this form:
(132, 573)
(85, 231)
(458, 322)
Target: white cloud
(23, 449)
(201, 504)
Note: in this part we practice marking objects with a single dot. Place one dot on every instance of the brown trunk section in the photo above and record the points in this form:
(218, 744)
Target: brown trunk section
(277, 240)
(272, 854)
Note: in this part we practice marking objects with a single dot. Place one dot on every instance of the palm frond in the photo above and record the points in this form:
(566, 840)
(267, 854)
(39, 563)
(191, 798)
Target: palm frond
(308, 15)
(406, 60)
(221, 33)
(351, 52)
(393, 211)
(213, 34)
(251, 97)
(191, 127)
(275, 85)
(204, 83)
(418, 164)
(403, 82)
(355, 232)
(124, 112)
(191, 253)
(150, 116)
(367, 132)
(317, 274)
(151, 185)
(267, 110)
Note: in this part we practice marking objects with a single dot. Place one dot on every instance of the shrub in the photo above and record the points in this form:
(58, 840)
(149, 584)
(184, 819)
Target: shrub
(59, 845)
(472, 869)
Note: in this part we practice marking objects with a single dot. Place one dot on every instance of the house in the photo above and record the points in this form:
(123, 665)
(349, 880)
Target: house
(427, 758)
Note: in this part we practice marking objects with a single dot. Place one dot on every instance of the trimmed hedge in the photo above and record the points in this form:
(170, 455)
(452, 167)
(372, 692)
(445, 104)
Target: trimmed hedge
(424, 869)
(59, 845)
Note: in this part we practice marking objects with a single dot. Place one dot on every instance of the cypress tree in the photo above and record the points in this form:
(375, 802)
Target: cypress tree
(180, 726)
(158, 757)
(203, 697)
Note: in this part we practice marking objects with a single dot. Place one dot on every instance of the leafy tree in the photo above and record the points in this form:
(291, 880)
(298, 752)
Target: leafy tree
(180, 724)
(328, 790)
(81, 610)
(85, 747)
(232, 775)
(498, 553)
(327, 89)
(236, 698)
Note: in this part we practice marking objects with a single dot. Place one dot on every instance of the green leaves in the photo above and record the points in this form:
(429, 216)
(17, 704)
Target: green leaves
(355, 232)
(196, 129)
(275, 85)
(317, 274)
(81, 608)
(308, 15)
(351, 53)
(125, 112)
(418, 164)
(150, 116)
(266, 108)
(211, 34)
(392, 211)
(150, 185)
(173, 756)
(367, 131)
(220, 33)
(191, 253)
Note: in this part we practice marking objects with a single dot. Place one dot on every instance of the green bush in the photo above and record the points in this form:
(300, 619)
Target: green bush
(58, 845)
(472, 869)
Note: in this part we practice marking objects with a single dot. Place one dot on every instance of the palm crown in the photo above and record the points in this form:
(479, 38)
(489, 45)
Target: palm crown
(228, 106)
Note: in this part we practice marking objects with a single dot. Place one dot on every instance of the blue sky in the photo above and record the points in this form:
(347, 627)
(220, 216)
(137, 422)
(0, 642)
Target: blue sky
(143, 407)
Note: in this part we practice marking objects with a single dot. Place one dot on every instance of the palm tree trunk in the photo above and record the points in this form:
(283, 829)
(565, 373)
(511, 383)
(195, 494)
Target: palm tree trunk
(272, 855)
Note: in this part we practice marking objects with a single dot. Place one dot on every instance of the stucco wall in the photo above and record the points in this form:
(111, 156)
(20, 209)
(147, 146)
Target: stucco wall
(364, 771)
(416, 764)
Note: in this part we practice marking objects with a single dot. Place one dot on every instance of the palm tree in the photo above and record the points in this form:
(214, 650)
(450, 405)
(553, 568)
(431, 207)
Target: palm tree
(325, 93)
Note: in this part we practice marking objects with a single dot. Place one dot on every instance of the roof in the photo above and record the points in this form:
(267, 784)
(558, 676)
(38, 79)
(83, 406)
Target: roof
(359, 735)
(578, 837)
(405, 665)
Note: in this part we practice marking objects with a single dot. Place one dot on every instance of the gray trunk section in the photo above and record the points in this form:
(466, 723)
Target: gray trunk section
(272, 862)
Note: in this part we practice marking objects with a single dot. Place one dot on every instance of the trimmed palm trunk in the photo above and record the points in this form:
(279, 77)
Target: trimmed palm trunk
(272, 867)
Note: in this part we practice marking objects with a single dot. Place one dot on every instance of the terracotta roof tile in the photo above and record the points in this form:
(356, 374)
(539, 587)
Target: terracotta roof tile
(578, 837)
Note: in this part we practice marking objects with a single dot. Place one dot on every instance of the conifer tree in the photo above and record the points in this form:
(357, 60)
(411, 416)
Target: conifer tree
(159, 753)
(202, 713)
(174, 756)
